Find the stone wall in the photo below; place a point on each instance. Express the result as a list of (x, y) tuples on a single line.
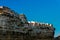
[(11, 35), (18, 28)]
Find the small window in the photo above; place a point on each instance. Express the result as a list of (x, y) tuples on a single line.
[(47, 27), (0, 27)]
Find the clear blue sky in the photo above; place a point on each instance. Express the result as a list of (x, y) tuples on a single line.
[(37, 10)]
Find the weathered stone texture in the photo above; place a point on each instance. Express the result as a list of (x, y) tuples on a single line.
[(16, 27)]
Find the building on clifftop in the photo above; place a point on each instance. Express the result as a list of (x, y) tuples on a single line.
[(14, 26)]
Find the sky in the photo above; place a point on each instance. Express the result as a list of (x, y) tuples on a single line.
[(47, 11)]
